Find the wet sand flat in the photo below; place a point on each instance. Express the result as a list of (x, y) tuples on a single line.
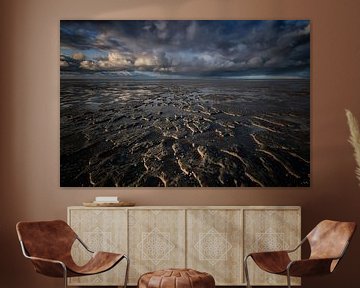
[(185, 133)]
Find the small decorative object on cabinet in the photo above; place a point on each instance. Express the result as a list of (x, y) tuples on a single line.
[(211, 239), (109, 204), (48, 245), (328, 242)]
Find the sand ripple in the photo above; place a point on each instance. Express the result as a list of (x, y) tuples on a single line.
[(185, 133)]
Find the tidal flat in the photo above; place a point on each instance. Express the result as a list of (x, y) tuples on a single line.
[(184, 133)]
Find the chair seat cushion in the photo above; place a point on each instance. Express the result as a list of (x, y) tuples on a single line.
[(176, 278)]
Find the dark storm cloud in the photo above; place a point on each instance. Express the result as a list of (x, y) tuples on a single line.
[(217, 48)]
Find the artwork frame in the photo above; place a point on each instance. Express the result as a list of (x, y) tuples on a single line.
[(142, 106)]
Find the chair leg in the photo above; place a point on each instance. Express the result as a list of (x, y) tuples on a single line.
[(126, 271), (246, 270), (65, 276), (288, 278)]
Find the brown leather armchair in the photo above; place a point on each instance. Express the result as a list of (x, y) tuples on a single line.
[(48, 245), (328, 242)]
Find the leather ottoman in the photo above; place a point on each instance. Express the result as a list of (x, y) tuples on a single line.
[(176, 278)]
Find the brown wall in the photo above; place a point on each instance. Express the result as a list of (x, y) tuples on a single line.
[(29, 119)]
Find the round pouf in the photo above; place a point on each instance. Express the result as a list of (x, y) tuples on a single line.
[(176, 278)]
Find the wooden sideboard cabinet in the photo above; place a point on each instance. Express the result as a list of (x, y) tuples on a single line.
[(212, 239)]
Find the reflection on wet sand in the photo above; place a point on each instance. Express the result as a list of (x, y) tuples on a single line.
[(180, 133)]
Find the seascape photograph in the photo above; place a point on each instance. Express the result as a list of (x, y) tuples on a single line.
[(184, 103)]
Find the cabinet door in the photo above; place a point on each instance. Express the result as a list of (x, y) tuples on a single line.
[(156, 240), (101, 230), (270, 230), (214, 244)]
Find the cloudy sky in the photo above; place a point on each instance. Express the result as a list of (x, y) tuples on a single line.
[(171, 49)]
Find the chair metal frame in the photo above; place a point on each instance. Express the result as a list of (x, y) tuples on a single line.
[(26, 255), (288, 276)]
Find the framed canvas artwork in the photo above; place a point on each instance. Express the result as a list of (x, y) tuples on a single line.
[(200, 103)]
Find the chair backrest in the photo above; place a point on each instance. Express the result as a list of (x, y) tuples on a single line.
[(329, 239), (46, 239)]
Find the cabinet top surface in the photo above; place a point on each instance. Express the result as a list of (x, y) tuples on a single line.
[(192, 207)]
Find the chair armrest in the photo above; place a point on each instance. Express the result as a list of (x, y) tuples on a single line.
[(268, 253), (280, 251), (45, 260), (298, 246), (309, 267), (83, 244)]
